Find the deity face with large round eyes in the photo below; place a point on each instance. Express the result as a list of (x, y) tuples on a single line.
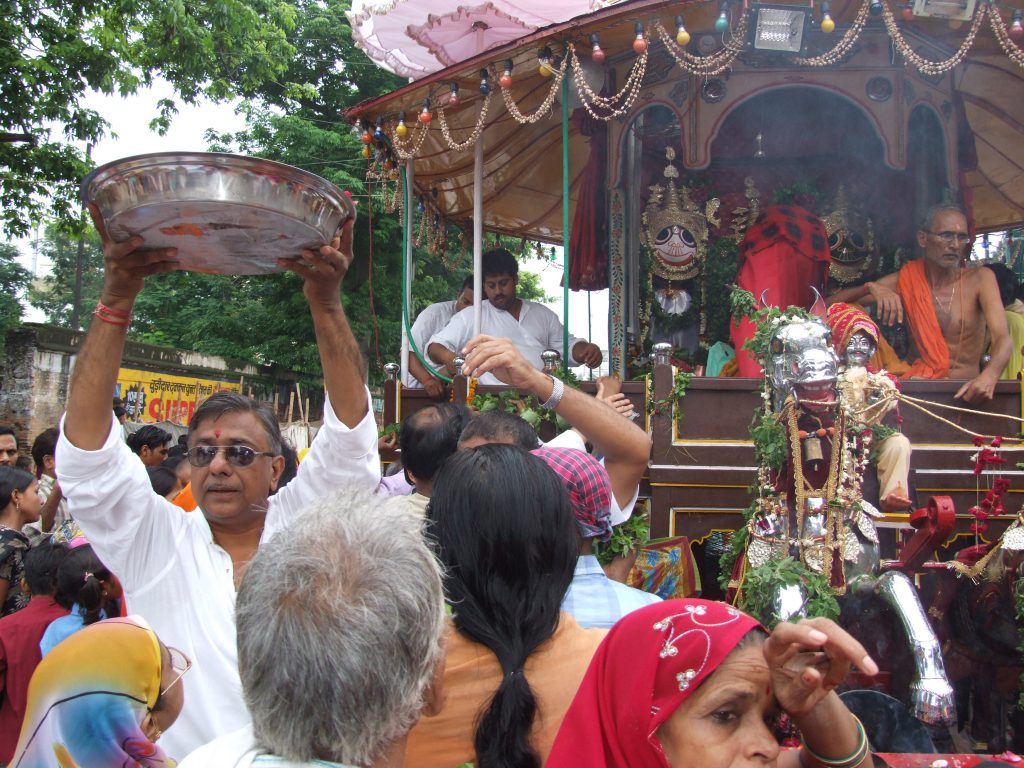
[(847, 246), (676, 246), (859, 350)]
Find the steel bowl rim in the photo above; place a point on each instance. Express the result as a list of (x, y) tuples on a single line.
[(226, 160)]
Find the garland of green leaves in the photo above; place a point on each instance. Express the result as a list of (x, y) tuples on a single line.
[(761, 585), (680, 383), (626, 537), (756, 594), (525, 406)]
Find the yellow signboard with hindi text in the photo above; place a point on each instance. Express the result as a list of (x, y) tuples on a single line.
[(150, 396)]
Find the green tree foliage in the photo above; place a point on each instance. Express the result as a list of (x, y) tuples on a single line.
[(265, 319), (55, 294), (51, 54), (14, 279)]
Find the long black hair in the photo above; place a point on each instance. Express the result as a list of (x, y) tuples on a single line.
[(506, 536)]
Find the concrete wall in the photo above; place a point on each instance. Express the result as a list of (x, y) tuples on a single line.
[(38, 361)]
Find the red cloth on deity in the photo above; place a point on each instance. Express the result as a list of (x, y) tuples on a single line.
[(781, 258), (588, 238)]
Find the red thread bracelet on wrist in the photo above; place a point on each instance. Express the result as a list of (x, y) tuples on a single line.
[(112, 316), (101, 307)]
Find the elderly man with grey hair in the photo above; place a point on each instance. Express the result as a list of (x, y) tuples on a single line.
[(340, 640)]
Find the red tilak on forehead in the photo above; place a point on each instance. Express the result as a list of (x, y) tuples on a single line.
[(216, 433)]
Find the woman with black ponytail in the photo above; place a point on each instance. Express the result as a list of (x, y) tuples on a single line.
[(88, 590), (506, 536)]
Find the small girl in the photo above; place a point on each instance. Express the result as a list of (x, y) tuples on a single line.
[(88, 590)]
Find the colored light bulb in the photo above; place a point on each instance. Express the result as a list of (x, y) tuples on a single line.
[(1016, 31), (544, 62), (639, 43)]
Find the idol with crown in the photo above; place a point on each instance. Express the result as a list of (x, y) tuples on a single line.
[(674, 236)]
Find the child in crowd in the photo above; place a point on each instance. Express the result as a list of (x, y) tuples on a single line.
[(164, 482), (88, 589), (177, 462), (20, 634)]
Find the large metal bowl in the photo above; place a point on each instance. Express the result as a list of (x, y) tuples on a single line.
[(226, 214)]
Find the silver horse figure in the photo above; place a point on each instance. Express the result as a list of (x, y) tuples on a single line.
[(813, 510)]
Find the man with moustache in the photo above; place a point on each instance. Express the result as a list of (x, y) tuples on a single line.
[(181, 571), (532, 327), (949, 307)]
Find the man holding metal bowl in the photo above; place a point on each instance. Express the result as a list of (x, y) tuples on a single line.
[(181, 571)]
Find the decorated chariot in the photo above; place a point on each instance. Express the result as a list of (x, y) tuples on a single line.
[(675, 149)]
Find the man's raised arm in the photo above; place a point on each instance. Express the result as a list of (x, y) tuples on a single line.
[(87, 423), (625, 446), (344, 369)]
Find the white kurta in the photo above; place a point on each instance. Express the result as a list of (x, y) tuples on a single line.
[(428, 322), (537, 329), (173, 573)]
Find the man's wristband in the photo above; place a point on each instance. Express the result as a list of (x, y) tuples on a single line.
[(557, 390), (867, 288), (113, 316)]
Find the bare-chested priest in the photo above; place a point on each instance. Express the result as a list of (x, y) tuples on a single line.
[(947, 306)]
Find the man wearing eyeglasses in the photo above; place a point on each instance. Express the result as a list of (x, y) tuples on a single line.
[(181, 571), (948, 307)]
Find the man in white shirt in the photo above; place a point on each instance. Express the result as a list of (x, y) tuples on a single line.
[(532, 327), (181, 570), (431, 320)]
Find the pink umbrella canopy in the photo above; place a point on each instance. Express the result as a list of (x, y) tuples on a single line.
[(414, 38)]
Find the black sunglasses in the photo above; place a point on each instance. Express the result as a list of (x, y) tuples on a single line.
[(236, 455)]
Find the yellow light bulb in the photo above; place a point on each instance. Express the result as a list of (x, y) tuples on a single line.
[(682, 36), (401, 129), (827, 25)]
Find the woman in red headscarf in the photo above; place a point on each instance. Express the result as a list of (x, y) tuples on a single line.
[(696, 683)]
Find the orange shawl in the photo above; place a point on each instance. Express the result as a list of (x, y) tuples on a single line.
[(916, 293)]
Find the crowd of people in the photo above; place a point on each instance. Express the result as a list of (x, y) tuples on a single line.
[(210, 610)]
